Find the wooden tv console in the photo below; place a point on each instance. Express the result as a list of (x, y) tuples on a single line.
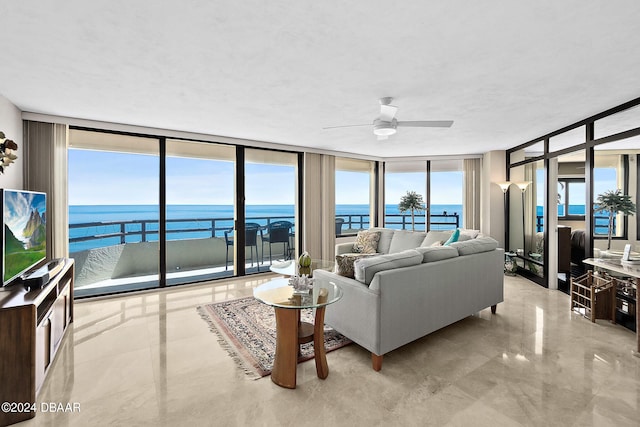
[(32, 326)]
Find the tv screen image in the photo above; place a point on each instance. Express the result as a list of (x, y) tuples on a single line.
[(24, 242)]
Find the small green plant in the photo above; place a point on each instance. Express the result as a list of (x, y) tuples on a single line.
[(614, 202), (412, 202)]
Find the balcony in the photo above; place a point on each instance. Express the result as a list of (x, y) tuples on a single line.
[(118, 256)]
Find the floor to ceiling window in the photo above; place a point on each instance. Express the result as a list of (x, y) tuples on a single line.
[(439, 187), (113, 212), (200, 196), (354, 195), (140, 220), (446, 194), (400, 179), (270, 207)]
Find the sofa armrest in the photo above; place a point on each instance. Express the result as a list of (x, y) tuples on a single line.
[(357, 314), (344, 248)]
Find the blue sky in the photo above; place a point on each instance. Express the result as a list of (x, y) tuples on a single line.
[(104, 178)]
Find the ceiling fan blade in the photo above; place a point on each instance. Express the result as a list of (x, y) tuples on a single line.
[(345, 126), (428, 124), (387, 112)]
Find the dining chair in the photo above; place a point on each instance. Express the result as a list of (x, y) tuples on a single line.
[(251, 230), (277, 232)]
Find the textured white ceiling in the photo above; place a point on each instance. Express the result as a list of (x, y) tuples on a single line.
[(279, 71)]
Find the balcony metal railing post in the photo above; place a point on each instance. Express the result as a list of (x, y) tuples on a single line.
[(122, 233)]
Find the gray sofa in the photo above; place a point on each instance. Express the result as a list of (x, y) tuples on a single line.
[(411, 288)]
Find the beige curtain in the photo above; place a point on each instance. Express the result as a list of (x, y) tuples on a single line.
[(471, 191), (319, 206), (328, 195), (46, 171)]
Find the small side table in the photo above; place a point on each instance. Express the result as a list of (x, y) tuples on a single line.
[(291, 332)]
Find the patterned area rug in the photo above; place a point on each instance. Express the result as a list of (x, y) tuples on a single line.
[(246, 328)]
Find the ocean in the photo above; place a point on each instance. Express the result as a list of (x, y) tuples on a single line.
[(140, 222), (198, 217)]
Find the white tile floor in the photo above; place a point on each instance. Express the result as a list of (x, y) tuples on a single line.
[(149, 359)]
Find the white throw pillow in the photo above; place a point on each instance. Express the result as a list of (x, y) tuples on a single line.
[(469, 232), (403, 240), (436, 236)]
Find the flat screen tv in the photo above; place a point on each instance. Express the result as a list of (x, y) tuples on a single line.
[(24, 232)]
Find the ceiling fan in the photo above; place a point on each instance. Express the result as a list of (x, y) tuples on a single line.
[(385, 125)]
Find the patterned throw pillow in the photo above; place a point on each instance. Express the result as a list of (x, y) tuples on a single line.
[(344, 264), (366, 242)]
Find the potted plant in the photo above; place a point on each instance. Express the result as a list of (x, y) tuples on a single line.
[(7, 147), (614, 202), (412, 202)]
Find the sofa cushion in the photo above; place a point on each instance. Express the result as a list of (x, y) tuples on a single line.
[(437, 253), (344, 263), (436, 236), (385, 238), (474, 246), (403, 240), (366, 268), (366, 242)]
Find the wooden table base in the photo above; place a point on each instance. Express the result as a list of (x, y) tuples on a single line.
[(290, 333)]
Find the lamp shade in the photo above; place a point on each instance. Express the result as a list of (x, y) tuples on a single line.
[(504, 186), (523, 185)]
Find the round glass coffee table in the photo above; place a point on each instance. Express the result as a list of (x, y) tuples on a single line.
[(290, 331), (290, 267)]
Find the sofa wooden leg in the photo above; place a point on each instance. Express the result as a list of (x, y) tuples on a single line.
[(493, 308), (376, 361)]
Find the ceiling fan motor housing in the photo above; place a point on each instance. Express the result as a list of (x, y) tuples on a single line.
[(383, 128)]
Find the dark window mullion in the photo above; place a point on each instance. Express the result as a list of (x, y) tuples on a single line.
[(162, 224), (239, 236)]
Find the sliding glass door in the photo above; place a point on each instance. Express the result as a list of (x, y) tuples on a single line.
[(270, 210), (199, 211), (149, 212), (113, 212)]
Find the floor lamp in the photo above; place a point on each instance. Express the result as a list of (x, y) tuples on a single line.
[(510, 266), (523, 187), (504, 186)]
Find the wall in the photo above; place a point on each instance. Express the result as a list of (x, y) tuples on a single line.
[(11, 125), (492, 200)]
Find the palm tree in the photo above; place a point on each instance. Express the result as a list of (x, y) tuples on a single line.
[(413, 202), (614, 202)]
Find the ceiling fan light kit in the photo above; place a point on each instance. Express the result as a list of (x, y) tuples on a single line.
[(386, 124), (382, 128)]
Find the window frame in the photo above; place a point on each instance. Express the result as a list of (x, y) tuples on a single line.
[(566, 182)]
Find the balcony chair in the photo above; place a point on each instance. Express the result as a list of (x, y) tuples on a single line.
[(339, 222), (251, 230), (277, 232)]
